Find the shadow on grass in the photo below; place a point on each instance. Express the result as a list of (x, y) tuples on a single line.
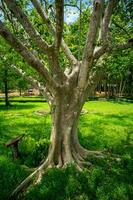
[(116, 119), (11, 128), (123, 102), (17, 107), (108, 131)]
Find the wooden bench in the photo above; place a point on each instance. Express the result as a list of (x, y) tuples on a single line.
[(14, 144)]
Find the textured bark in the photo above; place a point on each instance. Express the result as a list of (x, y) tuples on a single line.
[(35, 83), (106, 20), (65, 115), (59, 5), (90, 44), (64, 146)]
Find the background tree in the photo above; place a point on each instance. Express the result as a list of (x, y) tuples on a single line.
[(8, 77), (67, 86), (6, 74)]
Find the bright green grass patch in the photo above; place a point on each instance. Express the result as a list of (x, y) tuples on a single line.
[(107, 126), (22, 119)]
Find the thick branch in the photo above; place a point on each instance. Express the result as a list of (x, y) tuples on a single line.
[(118, 47), (8, 15), (99, 51), (93, 29), (35, 83), (31, 59), (90, 43), (34, 35), (46, 20), (110, 49), (22, 18), (106, 20), (59, 5)]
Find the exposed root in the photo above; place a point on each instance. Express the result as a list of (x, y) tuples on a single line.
[(36, 177), (78, 158), (98, 154), (84, 164), (85, 152), (24, 184), (76, 155), (39, 177), (84, 111)]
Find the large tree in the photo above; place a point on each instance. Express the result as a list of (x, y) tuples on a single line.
[(66, 86)]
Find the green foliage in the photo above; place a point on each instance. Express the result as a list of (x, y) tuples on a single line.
[(9, 57), (11, 175), (60, 184), (104, 181), (75, 34), (33, 152)]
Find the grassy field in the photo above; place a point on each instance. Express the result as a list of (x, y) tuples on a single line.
[(107, 126)]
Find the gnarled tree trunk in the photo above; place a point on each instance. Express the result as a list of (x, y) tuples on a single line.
[(64, 148)]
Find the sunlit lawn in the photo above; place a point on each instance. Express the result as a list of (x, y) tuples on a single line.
[(107, 126)]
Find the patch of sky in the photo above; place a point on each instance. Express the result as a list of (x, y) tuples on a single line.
[(1, 12), (71, 15), (1, 15), (72, 9)]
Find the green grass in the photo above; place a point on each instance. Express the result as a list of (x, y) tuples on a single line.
[(107, 126), (23, 99)]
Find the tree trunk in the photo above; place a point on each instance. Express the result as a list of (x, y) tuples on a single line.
[(123, 88), (20, 92), (120, 87), (64, 147), (6, 87)]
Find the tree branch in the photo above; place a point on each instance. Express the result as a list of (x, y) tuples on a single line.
[(120, 27), (31, 59), (8, 15), (106, 20), (59, 6), (93, 29), (90, 43), (34, 35), (99, 51), (47, 21), (72, 5), (35, 83), (118, 47), (22, 18), (111, 48)]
